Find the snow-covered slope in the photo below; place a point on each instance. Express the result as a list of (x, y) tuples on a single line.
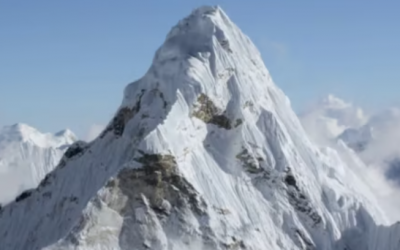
[(203, 153), (26, 156), (329, 117)]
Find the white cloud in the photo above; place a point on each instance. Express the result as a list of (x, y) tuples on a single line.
[(385, 190), (382, 146), (94, 131), (386, 137)]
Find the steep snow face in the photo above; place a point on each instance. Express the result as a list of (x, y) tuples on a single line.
[(204, 153), (330, 117), (26, 156)]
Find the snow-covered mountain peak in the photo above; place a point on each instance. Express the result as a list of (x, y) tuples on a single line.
[(204, 153), (66, 133), (208, 41), (203, 25), (66, 136), (21, 132), (27, 155)]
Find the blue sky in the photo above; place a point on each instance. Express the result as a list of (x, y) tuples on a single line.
[(65, 63)]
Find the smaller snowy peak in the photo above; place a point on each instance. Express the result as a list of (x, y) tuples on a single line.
[(65, 137), (21, 132), (27, 155), (67, 134), (18, 131)]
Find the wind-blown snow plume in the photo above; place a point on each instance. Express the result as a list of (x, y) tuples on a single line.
[(204, 153)]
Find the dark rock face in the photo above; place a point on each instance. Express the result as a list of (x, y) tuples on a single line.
[(75, 149), (157, 188), (23, 195), (299, 200), (209, 113), (122, 117), (159, 181), (250, 163)]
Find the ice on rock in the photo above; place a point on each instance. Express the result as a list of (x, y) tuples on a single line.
[(205, 153)]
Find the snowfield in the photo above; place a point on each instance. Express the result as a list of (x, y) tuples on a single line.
[(204, 153)]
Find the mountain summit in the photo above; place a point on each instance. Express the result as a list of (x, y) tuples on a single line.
[(204, 153)]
